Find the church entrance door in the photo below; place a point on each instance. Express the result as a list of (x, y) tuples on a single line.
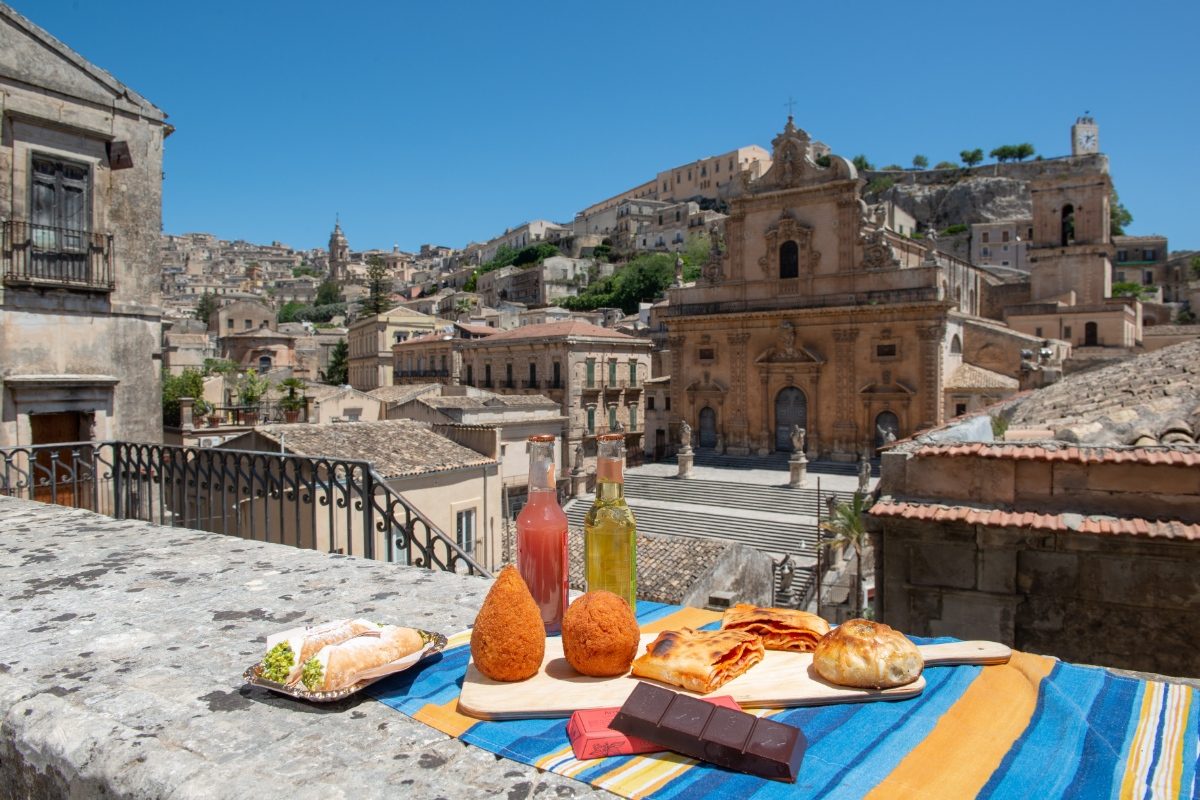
[(791, 408), (708, 427), (1091, 335), (885, 423)]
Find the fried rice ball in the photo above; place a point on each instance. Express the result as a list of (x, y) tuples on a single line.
[(600, 635), (509, 638)]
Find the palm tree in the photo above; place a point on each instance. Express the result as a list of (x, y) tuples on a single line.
[(845, 524)]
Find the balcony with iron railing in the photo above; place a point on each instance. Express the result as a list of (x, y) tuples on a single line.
[(41, 255), (330, 504)]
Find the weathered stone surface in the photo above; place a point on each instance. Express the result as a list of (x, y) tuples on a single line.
[(121, 658), (941, 565)]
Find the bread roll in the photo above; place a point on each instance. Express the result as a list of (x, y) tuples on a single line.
[(337, 666), (867, 655)]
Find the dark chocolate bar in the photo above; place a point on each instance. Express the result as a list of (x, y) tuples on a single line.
[(731, 739)]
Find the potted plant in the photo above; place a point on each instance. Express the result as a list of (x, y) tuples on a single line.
[(251, 392), (293, 401), (200, 409)]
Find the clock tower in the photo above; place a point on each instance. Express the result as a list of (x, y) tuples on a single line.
[(1085, 136)]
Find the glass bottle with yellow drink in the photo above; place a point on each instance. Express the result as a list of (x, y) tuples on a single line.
[(609, 529)]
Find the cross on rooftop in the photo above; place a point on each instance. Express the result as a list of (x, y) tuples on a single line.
[(791, 105)]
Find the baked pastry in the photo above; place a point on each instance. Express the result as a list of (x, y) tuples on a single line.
[(780, 628), (508, 641), (600, 634), (867, 655), (337, 666), (287, 651), (699, 661)]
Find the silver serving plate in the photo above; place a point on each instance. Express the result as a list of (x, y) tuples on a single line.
[(434, 643)]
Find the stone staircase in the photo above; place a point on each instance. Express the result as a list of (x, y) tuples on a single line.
[(774, 461), (779, 499)]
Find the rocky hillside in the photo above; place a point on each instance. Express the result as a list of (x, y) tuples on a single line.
[(946, 197)]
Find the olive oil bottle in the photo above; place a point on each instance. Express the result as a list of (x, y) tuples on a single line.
[(609, 529)]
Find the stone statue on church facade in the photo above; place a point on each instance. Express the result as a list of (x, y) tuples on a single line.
[(685, 436), (864, 474), (797, 435)]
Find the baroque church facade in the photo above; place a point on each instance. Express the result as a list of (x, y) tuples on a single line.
[(813, 313)]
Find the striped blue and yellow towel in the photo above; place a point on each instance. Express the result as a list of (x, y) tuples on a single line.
[(1035, 727)]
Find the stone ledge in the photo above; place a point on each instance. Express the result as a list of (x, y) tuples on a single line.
[(121, 663)]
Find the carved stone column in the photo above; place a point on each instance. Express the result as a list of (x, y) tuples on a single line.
[(735, 418), (675, 344), (845, 430), (847, 232), (931, 374)]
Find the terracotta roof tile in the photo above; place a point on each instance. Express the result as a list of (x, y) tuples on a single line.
[(1136, 526), (1168, 455), (559, 330), (394, 447)]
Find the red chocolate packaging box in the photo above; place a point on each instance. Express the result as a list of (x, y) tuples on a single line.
[(592, 738)]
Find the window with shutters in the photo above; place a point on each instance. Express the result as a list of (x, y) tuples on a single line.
[(56, 244)]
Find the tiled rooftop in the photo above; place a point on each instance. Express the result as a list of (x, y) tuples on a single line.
[(394, 447), (969, 376), (1034, 521), (1122, 402), (401, 393), (1184, 456), (559, 330), (490, 400)]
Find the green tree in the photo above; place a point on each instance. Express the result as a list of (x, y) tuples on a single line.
[(1023, 151), (1195, 265), (338, 372), (920, 161), (329, 293), (294, 399), (1118, 215), (252, 389), (861, 164), (845, 525), (379, 288), (189, 383), (945, 165), (1002, 153), (206, 306), (971, 157), (287, 312), (1131, 289)]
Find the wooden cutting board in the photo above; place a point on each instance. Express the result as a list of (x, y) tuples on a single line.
[(780, 680)]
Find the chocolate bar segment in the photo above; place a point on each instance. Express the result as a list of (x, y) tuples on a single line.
[(731, 739)]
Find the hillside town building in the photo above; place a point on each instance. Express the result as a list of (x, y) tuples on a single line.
[(595, 374), (80, 219), (370, 340)]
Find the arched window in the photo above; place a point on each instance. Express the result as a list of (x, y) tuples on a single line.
[(956, 345), (789, 260), (264, 364), (1068, 225)]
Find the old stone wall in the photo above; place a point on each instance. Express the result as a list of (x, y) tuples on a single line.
[(1121, 601)]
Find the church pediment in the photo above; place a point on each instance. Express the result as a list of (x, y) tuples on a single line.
[(792, 165), (893, 388), (786, 351), (707, 386)]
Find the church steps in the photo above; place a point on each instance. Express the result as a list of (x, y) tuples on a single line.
[(767, 536), (724, 495)]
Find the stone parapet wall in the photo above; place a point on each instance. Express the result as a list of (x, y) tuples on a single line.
[(122, 659), (1122, 601)]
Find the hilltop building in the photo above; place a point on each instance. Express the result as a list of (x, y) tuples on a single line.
[(80, 215)]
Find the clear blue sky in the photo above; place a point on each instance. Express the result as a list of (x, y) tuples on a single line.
[(448, 121)]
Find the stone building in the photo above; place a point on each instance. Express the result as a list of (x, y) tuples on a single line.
[(1081, 525), (456, 487), (370, 340), (513, 417), (339, 255), (814, 313), (80, 215), (595, 374), (435, 357), (239, 316)]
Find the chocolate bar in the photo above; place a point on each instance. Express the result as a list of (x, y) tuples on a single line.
[(592, 736), (731, 739)]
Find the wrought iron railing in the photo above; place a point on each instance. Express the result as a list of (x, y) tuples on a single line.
[(41, 254), (328, 504)]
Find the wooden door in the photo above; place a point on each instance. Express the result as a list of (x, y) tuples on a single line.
[(56, 474)]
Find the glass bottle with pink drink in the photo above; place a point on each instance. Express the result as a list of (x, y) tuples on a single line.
[(542, 536)]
